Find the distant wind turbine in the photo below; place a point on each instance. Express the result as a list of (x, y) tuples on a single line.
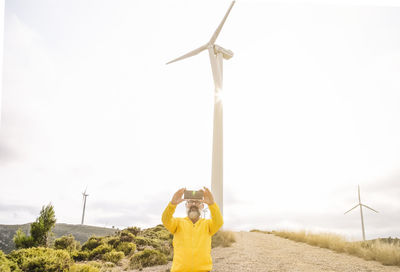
[(361, 211), (205, 212), (216, 53), (84, 205)]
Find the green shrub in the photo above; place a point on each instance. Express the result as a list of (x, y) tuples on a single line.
[(134, 230), (4, 262), (67, 242), (6, 265), (166, 247), (126, 236), (126, 247), (142, 241), (83, 268), (113, 241), (38, 259), (80, 255), (21, 240), (158, 232), (99, 251), (145, 242), (40, 230), (92, 243), (95, 264), (147, 257), (113, 256)]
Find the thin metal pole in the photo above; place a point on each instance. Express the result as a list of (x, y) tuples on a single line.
[(361, 212), (84, 206)]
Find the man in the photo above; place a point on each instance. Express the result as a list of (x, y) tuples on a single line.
[(192, 234)]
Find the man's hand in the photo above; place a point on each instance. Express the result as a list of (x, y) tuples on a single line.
[(208, 197), (177, 198)]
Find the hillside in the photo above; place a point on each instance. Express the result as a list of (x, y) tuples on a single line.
[(81, 233)]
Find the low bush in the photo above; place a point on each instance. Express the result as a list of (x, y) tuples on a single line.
[(142, 241), (126, 236), (113, 256), (6, 265), (99, 251), (147, 257), (113, 241), (126, 247), (79, 256), (134, 230), (97, 264), (145, 242), (166, 248), (158, 232), (92, 243), (21, 240), (222, 238), (83, 268), (41, 259), (67, 242), (4, 262)]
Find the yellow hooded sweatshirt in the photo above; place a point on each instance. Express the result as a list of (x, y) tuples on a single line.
[(192, 242)]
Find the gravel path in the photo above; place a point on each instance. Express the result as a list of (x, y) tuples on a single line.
[(255, 252)]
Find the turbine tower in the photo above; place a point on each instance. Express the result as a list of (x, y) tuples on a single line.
[(205, 212), (217, 54), (84, 205), (361, 211)]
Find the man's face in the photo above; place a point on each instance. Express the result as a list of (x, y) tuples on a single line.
[(194, 208)]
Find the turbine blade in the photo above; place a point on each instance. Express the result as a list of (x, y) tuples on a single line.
[(352, 208), (369, 208), (216, 33), (190, 54)]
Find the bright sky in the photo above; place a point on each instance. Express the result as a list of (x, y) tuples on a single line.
[(311, 109)]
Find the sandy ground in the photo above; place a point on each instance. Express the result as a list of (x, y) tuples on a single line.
[(255, 251)]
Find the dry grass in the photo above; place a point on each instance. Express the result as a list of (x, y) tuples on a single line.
[(385, 253), (223, 238), (262, 231)]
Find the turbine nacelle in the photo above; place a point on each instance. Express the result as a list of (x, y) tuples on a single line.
[(226, 53)]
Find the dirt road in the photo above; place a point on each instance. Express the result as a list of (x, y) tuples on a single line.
[(259, 252)]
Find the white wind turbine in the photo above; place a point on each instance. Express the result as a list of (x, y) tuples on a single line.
[(361, 211), (216, 53), (84, 205), (205, 212)]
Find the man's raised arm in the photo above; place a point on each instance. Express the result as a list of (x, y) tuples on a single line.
[(216, 221), (167, 218)]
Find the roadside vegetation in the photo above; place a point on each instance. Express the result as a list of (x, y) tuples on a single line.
[(384, 250), (223, 238), (130, 248)]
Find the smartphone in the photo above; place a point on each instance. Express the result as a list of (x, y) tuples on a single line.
[(190, 194)]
